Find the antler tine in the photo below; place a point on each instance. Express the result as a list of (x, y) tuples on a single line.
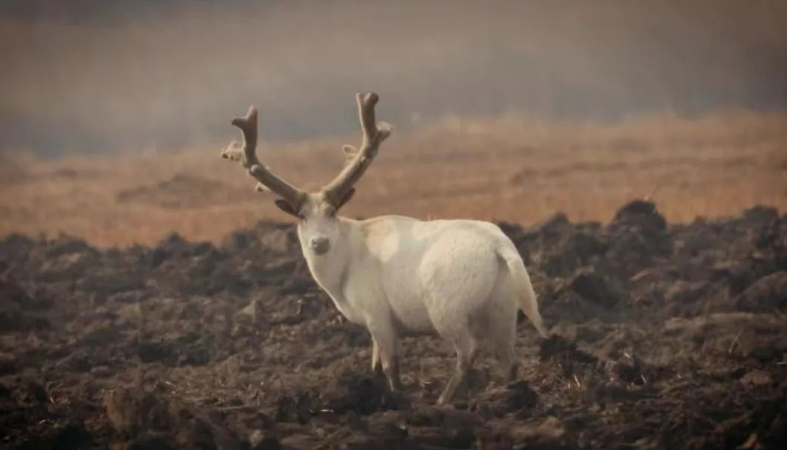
[(246, 153), (337, 191)]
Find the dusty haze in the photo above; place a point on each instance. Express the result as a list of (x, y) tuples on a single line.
[(97, 76)]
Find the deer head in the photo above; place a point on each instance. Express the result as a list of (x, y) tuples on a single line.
[(318, 225)]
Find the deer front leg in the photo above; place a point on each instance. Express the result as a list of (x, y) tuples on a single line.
[(388, 350), (385, 346)]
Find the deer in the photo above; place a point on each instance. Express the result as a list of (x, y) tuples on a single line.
[(460, 280)]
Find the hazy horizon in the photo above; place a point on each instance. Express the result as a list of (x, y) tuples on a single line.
[(85, 76)]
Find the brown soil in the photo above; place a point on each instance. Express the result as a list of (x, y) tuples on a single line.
[(662, 336)]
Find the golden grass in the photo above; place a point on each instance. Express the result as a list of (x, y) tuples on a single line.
[(509, 168)]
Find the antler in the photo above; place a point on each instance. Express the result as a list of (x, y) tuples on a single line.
[(338, 191), (246, 154)]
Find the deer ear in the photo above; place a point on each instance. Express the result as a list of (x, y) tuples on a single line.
[(286, 207), (346, 198)]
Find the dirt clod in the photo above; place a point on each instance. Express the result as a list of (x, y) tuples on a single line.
[(769, 293), (663, 336)]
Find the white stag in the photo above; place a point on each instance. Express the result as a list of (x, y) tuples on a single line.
[(397, 276)]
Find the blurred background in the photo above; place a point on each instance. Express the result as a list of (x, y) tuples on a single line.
[(607, 87), (99, 75)]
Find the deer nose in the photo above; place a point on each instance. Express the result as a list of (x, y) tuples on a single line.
[(319, 245)]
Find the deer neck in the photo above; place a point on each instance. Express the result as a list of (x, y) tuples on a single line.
[(330, 270)]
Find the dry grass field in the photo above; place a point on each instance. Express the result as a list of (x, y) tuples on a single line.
[(509, 168)]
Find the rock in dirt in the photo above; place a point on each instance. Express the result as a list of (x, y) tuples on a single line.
[(549, 433), (756, 378), (517, 396), (354, 391), (293, 407), (12, 292), (627, 369), (521, 396), (759, 216), (641, 214), (637, 237), (131, 411), (769, 293), (564, 357), (557, 347), (594, 288)]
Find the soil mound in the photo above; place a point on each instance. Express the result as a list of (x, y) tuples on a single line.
[(662, 336)]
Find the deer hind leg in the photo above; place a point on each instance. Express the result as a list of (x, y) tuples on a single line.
[(466, 347), (502, 333), (499, 321), (377, 366), (508, 362)]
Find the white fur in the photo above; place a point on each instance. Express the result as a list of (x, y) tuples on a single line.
[(460, 279)]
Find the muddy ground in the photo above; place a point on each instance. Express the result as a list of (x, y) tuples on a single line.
[(663, 336)]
